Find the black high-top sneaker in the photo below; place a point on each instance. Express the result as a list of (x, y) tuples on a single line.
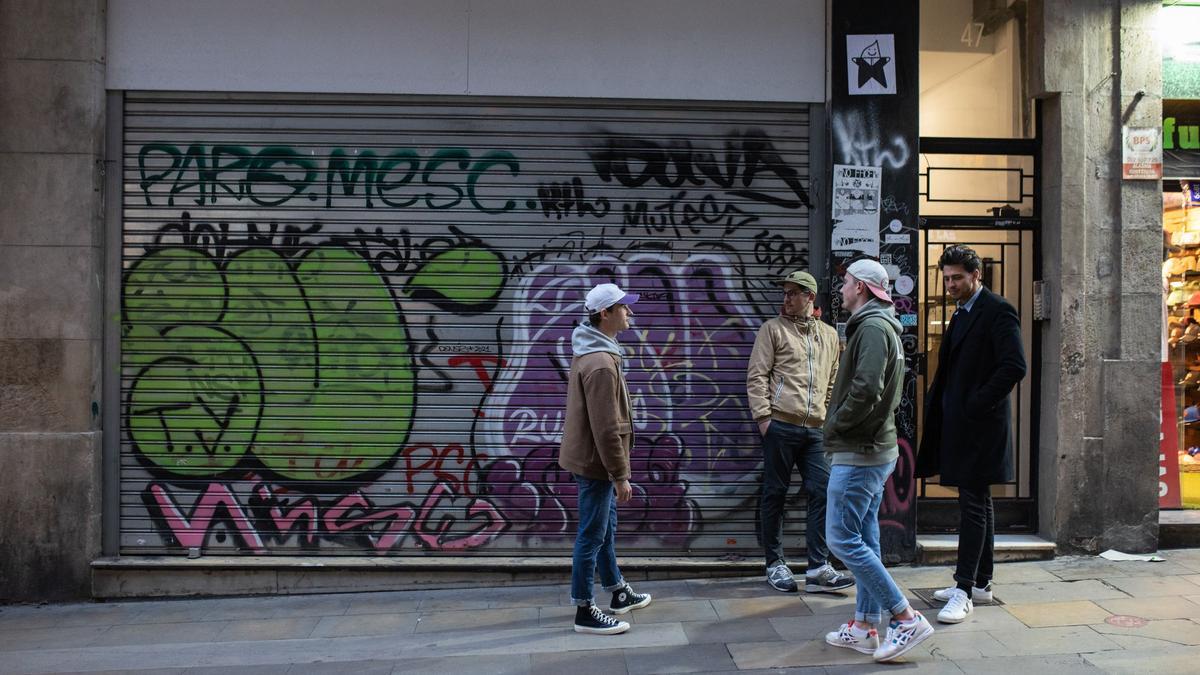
[(625, 600), (589, 619)]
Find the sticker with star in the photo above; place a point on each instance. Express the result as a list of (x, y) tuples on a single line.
[(871, 64)]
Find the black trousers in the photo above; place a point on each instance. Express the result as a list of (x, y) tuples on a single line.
[(976, 537), (784, 446)]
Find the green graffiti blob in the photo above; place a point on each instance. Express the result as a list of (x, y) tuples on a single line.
[(305, 365), (356, 413), (174, 287), (196, 399), (460, 279)]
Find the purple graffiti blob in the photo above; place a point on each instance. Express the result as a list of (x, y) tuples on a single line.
[(695, 453)]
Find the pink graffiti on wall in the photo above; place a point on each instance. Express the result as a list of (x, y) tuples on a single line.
[(900, 490), (267, 512)]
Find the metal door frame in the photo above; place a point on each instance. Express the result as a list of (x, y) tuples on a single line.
[(1013, 514)]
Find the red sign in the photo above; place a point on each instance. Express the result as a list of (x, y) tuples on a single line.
[(1168, 445)]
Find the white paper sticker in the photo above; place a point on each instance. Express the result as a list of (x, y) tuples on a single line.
[(904, 285), (897, 238), (871, 64), (895, 225), (1141, 153), (856, 208)]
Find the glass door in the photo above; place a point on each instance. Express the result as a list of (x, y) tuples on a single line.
[(1008, 266)]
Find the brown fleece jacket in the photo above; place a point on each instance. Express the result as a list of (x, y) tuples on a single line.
[(598, 431)]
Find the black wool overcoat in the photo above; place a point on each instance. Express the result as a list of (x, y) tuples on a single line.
[(968, 440)]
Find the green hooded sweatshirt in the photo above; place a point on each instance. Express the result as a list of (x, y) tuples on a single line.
[(860, 426)]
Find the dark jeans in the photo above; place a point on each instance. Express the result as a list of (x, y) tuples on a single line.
[(786, 446), (595, 541), (976, 534)]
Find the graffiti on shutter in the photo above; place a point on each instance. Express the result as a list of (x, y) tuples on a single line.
[(346, 324)]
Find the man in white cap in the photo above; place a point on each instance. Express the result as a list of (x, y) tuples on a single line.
[(596, 444), (860, 439)]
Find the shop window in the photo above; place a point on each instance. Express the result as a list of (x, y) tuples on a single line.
[(1181, 284)]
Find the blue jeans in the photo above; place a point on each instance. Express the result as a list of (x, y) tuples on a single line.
[(595, 542), (852, 529), (786, 446)]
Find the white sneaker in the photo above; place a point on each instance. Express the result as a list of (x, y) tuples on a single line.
[(979, 596), (903, 636), (957, 608), (865, 640)]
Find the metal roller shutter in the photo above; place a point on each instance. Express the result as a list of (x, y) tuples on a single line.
[(346, 321)]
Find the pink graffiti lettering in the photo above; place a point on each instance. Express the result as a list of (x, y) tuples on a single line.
[(440, 522), (191, 530), (284, 522), (494, 523), (404, 520), (397, 520)]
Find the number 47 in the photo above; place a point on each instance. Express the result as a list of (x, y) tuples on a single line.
[(972, 34)]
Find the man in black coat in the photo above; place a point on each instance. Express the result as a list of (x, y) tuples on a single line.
[(968, 420)]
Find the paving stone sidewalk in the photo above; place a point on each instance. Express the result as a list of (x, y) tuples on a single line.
[(1070, 615)]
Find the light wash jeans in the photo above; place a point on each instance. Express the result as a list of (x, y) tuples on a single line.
[(595, 542), (852, 530)]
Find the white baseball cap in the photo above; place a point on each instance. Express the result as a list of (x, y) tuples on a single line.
[(873, 275), (604, 296)]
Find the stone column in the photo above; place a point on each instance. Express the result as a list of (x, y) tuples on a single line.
[(51, 142), (1102, 253)]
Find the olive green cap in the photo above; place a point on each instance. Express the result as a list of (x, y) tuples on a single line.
[(802, 279)]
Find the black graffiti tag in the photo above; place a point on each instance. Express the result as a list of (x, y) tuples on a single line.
[(777, 252), (706, 211), (634, 162), (567, 198)]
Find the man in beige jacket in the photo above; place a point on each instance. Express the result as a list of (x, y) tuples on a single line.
[(788, 381), (596, 444)]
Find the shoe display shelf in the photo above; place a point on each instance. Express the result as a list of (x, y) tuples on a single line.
[(1181, 274)]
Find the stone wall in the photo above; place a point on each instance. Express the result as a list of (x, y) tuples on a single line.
[(1102, 253), (51, 144), (1097, 480)]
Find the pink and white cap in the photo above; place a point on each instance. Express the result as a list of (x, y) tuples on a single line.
[(873, 275)]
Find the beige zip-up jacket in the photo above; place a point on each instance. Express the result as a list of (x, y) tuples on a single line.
[(792, 369)]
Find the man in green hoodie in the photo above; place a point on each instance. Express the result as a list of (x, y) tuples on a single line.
[(860, 439)]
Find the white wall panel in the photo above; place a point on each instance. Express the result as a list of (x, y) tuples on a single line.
[(757, 50), (368, 46), (770, 50)]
